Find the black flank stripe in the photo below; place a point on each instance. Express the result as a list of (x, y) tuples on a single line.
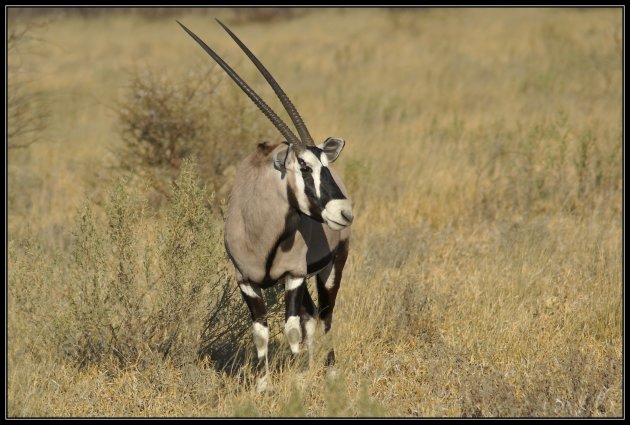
[(287, 235)]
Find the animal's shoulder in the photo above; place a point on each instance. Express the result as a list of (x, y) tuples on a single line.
[(263, 149)]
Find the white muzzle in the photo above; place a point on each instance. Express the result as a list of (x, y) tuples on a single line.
[(338, 214)]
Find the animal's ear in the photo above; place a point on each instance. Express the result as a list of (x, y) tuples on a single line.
[(332, 147), (280, 158)]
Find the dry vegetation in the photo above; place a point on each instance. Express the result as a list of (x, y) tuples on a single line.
[(484, 156)]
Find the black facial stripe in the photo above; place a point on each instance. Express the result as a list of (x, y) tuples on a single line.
[(316, 151), (313, 203), (328, 187)]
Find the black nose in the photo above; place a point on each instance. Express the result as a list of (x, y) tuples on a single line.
[(347, 215)]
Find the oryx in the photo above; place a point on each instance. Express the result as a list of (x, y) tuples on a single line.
[(288, 219)]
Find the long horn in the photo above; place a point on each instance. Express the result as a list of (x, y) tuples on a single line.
[(286, 102), (265, 109)]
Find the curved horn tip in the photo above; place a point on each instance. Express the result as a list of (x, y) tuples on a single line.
[(284, 99), (265, 109)]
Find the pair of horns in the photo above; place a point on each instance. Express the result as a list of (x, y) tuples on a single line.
[(305, 136)]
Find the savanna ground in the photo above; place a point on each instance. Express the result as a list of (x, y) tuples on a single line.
[(483, 155)]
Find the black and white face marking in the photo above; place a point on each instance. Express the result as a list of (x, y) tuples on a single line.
[(317, 192)]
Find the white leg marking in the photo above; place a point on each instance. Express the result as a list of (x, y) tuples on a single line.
[(248, 290), (332, 372), (261, 338), (310, 326), (330, 282), (262, 383), (292, 283), (293, 331)]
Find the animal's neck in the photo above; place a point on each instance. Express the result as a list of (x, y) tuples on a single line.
[(272, 212)]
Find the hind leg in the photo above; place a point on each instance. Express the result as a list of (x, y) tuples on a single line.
[(328, 282)]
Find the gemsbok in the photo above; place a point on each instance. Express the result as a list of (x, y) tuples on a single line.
[(288, 219)]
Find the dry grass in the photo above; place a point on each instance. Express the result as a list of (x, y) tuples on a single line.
[(484, 278)]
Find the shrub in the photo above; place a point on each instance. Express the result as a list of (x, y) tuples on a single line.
[(190, 258), (140, 295), (28, 109), (162, 120), (31, 274)]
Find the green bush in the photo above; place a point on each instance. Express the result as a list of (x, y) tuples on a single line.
[(28, 107), (163, 120), (138, 294)]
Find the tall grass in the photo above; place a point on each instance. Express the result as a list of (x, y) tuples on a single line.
[(484, 161)]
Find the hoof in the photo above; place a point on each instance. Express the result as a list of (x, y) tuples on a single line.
[(294, 336), (263, 384), (298, 361), (332, 372)]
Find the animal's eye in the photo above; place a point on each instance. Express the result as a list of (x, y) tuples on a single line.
[(303, 167)]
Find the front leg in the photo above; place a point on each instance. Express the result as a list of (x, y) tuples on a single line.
[(294, 294), (308, 314), (254, 300)]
